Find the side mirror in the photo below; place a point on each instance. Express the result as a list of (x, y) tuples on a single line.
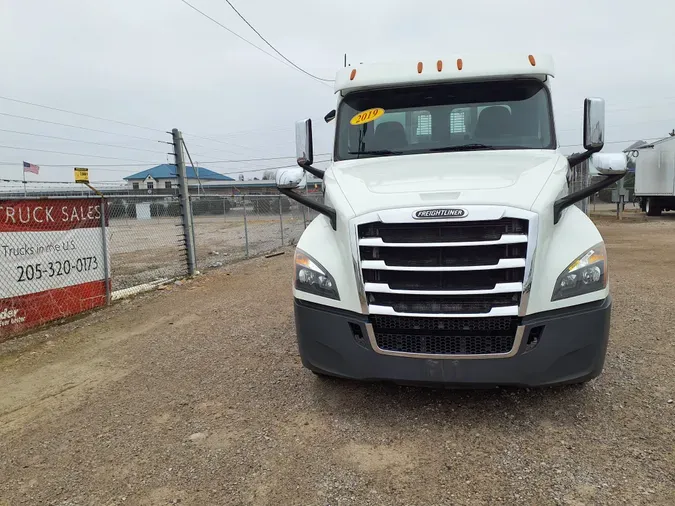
[(594, 124), (290, 179), (610, 164), (330, 116), (304, 149)]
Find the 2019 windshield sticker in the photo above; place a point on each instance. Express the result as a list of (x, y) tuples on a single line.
[(367, 116)]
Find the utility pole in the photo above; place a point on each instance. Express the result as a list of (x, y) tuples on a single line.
[(186, 208)]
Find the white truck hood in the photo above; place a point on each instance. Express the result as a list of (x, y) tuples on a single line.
[(513, 178)]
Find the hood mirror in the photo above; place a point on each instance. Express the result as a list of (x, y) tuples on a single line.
[(610, 164), (290, 179)]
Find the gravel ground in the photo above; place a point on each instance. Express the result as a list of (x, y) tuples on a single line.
[(195, 395)]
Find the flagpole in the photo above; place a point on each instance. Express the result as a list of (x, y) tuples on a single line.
[(24, 180)]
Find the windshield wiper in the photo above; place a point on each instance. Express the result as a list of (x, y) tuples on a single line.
[(376, 152), (463, 147), (475, 147)]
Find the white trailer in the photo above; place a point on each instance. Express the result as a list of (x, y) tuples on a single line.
[(449, 249), (655, 176)]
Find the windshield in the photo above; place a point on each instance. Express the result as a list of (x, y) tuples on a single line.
[(514, 114)]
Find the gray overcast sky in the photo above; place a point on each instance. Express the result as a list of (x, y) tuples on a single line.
[(160, 64)]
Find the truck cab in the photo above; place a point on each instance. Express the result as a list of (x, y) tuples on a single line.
[(448, 249)]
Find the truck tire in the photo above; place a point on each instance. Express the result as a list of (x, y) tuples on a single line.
[(652, 207)]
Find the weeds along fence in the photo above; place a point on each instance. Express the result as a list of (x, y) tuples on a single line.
[(64, 252)]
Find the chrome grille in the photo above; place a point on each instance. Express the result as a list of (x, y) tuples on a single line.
[(446, 287), (464, 231)]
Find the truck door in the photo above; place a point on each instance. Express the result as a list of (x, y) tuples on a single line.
[(650, 178), (667, 161)]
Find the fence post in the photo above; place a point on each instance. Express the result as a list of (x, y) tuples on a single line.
[(304, 216), (194, 243), (186, 208), (104, 244), (243, 199), (281, 221)]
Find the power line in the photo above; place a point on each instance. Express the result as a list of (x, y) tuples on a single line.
[(225, 143), (106, 168), (241, 38), (260, 159), (262, 169), (217, 141), (664, 102), (274, 48), (96, 167), (81, 114), (79, 127), (231, 31), (81, 141), (149, 164), (55, 182), (612, 142), (228, 134), (615, 125), (237, 133), (194, 144), (247, 162), (74, 154), (261, 129), (220, 150)]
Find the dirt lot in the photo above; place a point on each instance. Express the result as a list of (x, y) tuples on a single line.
[(195, 395)]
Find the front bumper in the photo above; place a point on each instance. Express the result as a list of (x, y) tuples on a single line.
[(570, 349)]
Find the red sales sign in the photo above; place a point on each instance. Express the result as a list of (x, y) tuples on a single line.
[(52, 263)]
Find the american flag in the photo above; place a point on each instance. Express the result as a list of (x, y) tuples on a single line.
[(29, 167)]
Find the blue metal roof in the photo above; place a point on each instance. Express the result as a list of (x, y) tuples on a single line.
[(168, 171)]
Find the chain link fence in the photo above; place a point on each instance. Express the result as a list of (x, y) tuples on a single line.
[(231, 228), (146, 241), (578, 179), (64, 251)]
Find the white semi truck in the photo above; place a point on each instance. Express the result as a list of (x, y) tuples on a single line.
[(448, 249)]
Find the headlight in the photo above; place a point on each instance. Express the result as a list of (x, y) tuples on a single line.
[(586, 274), (312, 277)]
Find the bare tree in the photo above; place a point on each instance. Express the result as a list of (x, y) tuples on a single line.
[(269, 174)]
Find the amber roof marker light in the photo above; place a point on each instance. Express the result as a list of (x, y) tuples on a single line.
[(439, 65), (419, 67), (533, 62), (352, 75), (460, 64)]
